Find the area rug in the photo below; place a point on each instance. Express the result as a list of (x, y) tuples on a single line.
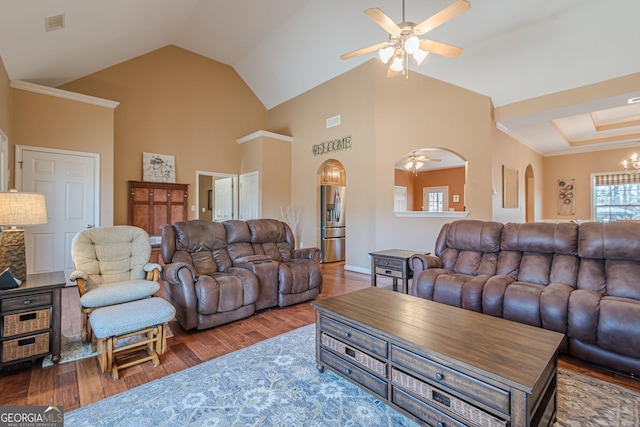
[(276, 383), (72, 348)]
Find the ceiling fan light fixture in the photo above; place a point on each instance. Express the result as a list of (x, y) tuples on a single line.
[(398, 62), (412, 44), (386, 53), (420, 55), (408, 165)]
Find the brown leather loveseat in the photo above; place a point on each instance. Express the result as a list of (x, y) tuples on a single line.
[(216, 272), (580, 280)]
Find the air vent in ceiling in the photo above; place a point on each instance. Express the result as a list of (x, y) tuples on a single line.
[(55, 22), (333, 121)]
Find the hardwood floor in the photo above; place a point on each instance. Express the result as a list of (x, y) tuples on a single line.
[(80, 383)]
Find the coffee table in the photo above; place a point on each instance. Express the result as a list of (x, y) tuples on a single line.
[(439, 364)]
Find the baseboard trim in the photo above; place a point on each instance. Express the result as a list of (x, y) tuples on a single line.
[(357, 269)]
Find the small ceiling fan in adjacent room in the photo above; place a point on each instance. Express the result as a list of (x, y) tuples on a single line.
[(415, 161), (404, 38)]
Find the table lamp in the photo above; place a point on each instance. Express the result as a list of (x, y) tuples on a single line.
[(18, 209)]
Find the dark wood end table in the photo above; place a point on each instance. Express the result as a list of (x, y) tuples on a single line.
[(31, 319), (392, 263)]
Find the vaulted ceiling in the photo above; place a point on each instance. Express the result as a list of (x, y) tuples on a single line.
[(513, 50)]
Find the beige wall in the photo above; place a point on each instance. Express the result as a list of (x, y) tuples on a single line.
[(509, 152), (51, 122), (175, 102), (424, 112), (6, 111), (386, 118), (276, 177), (271, 158), (578, 167), (352, 96)]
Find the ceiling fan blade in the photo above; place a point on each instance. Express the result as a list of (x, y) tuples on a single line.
[(383, 20), (392, 73), (364, 50), (429, 159), (440, 48), (446, 14)]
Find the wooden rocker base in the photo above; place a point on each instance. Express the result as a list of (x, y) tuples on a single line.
[(153, 344)]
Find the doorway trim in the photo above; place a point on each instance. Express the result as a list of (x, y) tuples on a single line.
[(96, 172), (217, 175), (4, 161)]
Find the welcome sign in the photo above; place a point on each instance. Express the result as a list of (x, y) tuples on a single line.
[(331, 146)]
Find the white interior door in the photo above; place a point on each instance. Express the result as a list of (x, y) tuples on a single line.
[(68, 182), (249, 196), (223, 197)]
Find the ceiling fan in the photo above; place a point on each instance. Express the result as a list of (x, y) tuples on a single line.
[(415, 161), (404, 38)]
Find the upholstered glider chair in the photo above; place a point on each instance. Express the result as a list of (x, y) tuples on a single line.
[(112, 267), (267, 248), (200, 280), (466, 255)]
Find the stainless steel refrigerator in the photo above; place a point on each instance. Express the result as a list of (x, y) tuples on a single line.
[(332, 223)]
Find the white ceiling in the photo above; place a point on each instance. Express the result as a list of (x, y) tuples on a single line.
[(513, 49)]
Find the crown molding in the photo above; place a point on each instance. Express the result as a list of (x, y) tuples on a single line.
[(264, 133), (65, 94)]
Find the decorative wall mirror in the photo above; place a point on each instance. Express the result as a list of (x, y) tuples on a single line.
[(217, 196), (430, 182)]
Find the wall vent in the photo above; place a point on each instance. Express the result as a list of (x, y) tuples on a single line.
[(333, 121), (55, 22)]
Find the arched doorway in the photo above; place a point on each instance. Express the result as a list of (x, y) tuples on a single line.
[(529, 194), (332, 188)]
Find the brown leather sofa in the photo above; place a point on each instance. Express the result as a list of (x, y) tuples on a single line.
[(267, 248), (580, 280), (216, 272), (200, 280)]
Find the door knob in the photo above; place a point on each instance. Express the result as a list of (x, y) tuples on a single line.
[(89, 226)]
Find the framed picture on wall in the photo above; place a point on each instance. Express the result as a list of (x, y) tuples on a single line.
[(566, 191), (158, 167)]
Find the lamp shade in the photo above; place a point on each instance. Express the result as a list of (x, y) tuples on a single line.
[(22, 209)]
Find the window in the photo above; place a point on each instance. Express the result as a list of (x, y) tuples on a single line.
[(616, 196), (435, 199)]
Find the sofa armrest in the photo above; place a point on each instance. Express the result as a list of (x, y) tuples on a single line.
[(179, 283), (420, 262), (171, 272), (307, 253), (80, 277)]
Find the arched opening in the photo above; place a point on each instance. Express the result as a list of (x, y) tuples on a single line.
[(430, 180), (332, 182)]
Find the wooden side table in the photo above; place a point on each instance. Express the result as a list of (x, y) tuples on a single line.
[(392, 263), (31, 319)]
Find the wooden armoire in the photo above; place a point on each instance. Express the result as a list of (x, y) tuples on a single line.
[(152, 204)]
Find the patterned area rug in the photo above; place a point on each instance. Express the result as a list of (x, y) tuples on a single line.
[(73, 349), (276, 383)]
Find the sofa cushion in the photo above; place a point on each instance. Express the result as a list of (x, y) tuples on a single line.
[(473, 235), (610, 256), (614, 240)]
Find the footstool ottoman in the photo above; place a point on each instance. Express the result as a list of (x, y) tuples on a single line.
[(147, 317)]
